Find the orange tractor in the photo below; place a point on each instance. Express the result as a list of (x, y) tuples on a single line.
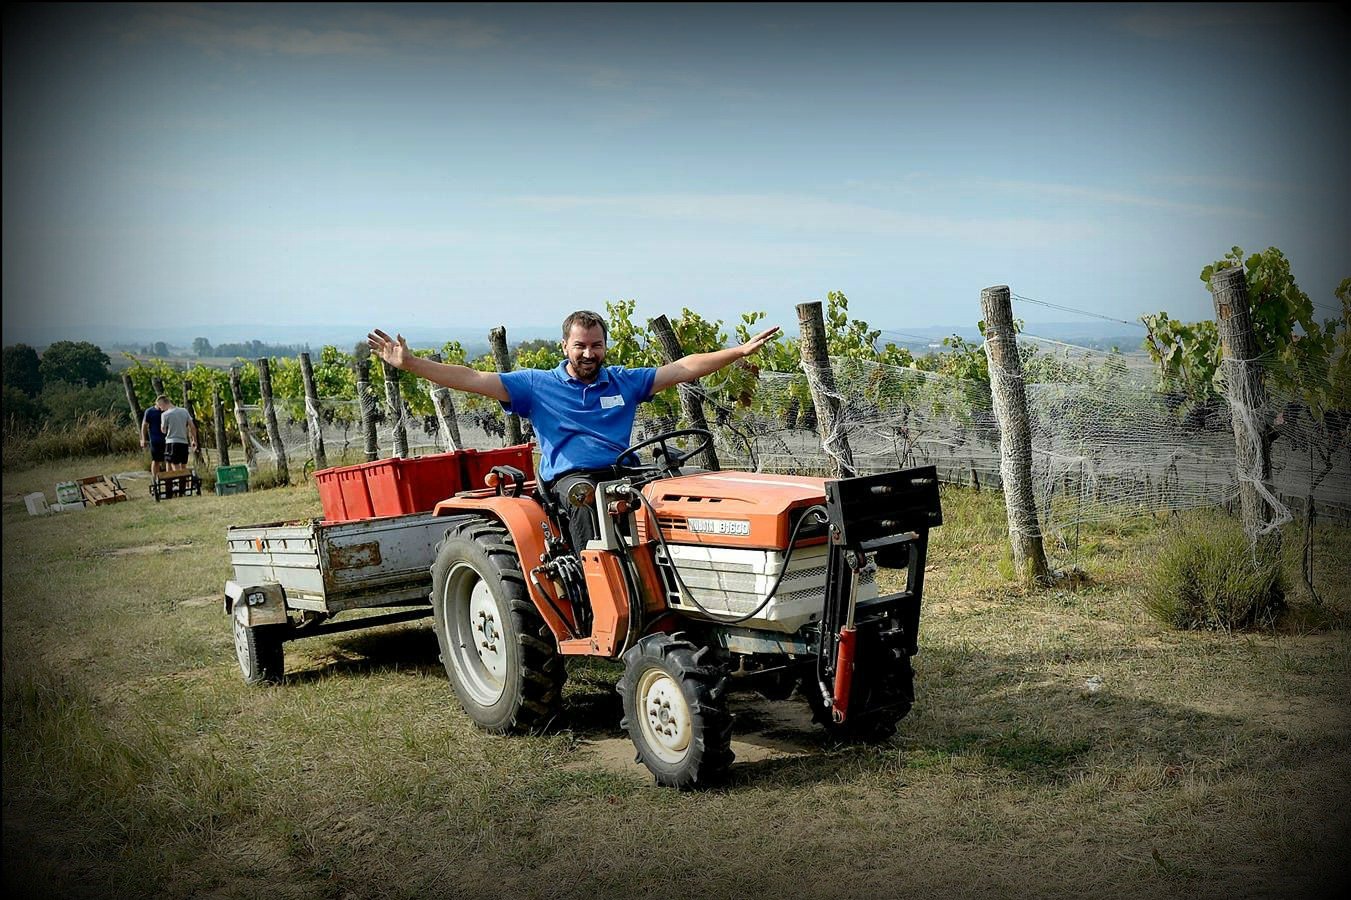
[(699, 582)]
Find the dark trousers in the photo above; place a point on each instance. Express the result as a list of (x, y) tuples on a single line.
[(580, 520)]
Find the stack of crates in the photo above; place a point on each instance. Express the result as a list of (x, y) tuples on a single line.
[(68, 494), (232, 480), (400, 487)]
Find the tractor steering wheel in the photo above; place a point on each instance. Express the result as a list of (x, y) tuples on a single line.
[(669, 460)]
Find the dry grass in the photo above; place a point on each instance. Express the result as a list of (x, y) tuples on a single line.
[(1063, 744), (91, 434)]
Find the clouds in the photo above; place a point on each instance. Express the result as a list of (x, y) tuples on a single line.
[(344, 31), (785, 212), (1171, 22), (1102, 197), (184, 156)]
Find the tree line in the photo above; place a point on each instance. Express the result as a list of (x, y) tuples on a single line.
[(72, 377)]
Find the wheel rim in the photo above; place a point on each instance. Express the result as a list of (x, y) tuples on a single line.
[(242, 647), (475, 635), (665, 717)]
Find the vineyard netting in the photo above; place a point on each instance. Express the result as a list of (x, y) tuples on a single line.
[(1106, 441)]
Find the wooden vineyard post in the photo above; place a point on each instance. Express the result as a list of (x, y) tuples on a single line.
[(447, 424), (394, 400), (242, 420), (367, 401), (136, 411), (1015, 434), (690, 402), (200, 457), (825, 395), (270, 415), (1246, 392), (157, 385), (312, 413), (497, 338), (222, 440)]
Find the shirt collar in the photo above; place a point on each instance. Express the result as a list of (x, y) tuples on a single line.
[(602, 377)]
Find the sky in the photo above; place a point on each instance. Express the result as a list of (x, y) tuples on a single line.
[(236, 168)]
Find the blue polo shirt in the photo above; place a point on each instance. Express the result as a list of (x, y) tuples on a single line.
[(579, 425)]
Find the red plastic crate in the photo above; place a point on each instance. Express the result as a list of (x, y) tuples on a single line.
[(356, 496), (330, 495), (402, 486), (343, 493), (478, 463)]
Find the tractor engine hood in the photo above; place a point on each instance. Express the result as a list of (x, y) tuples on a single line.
[(734, 509)]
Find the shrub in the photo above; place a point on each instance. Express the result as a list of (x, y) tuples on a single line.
[(66, 403), (91, 434), (21, 412), (1206, 575)]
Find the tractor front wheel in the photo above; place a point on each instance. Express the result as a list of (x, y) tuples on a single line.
[(675, 711)]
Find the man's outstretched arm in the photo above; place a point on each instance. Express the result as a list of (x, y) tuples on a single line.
[(395, 352), (697, 365)]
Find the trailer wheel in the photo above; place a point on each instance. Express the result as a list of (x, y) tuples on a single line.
[(259, 650), (499, 654), (884, 698), (675, 711)]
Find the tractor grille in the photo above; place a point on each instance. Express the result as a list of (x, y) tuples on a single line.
[(734, 582)]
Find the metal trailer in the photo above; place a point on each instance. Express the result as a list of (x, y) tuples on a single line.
[(292, 578)]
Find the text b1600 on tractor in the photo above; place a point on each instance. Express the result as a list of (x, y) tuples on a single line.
[(697, 581)]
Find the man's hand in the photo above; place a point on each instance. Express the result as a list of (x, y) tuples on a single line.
[(392, 351), (395, 352), (758, 341)]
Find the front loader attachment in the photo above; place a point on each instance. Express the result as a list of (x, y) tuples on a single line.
[(864, 677)]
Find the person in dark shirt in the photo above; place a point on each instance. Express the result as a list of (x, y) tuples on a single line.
[(153, 438)]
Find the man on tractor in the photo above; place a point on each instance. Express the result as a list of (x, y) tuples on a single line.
[(582, 411), (698, 582)]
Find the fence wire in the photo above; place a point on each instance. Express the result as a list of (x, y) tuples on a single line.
[(1105, 440)]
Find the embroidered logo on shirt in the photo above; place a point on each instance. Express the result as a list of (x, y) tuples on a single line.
[(612, 402)]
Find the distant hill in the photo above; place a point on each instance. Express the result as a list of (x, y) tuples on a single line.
[(113, 338)]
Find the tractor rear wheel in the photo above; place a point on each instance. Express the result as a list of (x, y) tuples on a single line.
[(675, 711), (499, 654)]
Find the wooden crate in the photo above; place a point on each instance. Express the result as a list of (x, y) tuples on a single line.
[(179, 484), (100, 491)]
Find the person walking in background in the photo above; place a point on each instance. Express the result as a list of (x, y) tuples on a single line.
[(153, 437), (180, 433)]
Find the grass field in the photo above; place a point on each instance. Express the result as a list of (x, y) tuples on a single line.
[(1063, 744)]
